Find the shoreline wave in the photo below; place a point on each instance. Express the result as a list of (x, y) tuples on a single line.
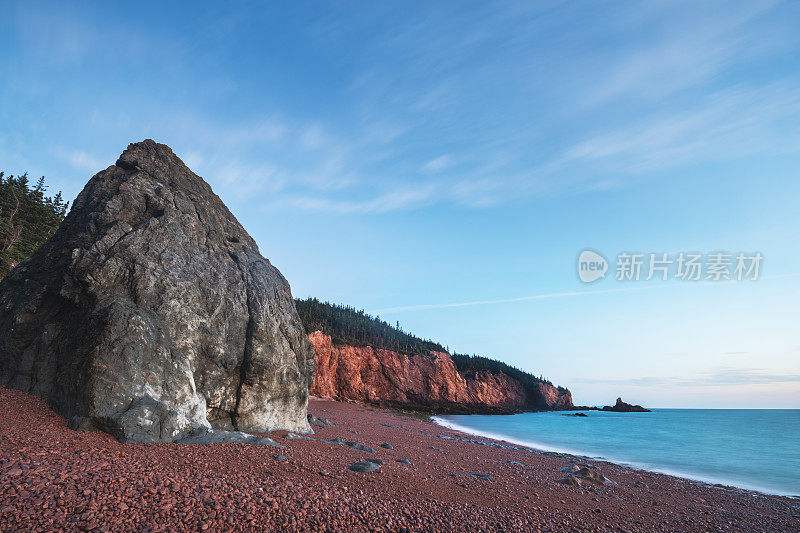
[(539, 447)]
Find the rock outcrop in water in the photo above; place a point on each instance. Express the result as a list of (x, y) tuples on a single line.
[(152, 315), (622, 407), (426, 382)]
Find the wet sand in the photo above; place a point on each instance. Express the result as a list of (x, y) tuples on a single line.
[(52, 478)]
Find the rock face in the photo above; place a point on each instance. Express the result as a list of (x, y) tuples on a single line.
[(622, 407), (152, 315), (431, 382)]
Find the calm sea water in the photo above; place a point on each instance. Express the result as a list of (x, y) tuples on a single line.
[(757, 449)]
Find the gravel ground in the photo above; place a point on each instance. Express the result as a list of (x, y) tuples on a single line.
[(52, 478)]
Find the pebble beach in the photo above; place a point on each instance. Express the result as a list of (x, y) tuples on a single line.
[(415, 476)]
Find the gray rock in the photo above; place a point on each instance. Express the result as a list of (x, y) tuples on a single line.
[(572, 481), (319, 421), (291, 435), (584, 474), (352, 444), (364, 468), (151, 314), (375, 460), (360, 447), (281, 457), (387, 446), (216, 436), (405, 461)]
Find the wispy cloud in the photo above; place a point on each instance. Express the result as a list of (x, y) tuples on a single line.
[(572, 294), (721, 376), (695, 44), (727, 124), (391, 201), (545, 296), (466, 102), (83, 161), (438, 163)]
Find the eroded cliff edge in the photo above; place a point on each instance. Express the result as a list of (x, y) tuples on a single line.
[(429, 382)]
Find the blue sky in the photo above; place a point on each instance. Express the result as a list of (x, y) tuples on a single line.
[(402, 156)]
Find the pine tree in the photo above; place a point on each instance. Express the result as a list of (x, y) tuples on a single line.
[(27, 218)]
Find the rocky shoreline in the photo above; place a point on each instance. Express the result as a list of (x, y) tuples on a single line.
[(413, 475)]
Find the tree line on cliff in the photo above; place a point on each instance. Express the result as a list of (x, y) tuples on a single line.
[(27, 218), (354, 327)]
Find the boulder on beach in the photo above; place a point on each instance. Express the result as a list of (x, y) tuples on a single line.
[(152, 315), (319, 421), (580, 474), (364, 467)]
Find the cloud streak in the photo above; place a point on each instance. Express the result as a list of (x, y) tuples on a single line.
[(570, 294), (544, 296), (723, 376)]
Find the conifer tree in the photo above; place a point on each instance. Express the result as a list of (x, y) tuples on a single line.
[(27, 218)]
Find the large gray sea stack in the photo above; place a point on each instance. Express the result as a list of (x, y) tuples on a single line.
[(152, 315)]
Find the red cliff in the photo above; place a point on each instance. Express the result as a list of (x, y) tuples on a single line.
[(430, 382)]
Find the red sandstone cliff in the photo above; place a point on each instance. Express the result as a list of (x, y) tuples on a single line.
[(432, 381)]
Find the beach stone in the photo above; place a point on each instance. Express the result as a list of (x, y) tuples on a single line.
[(281, 457), (405, 461), (586, 473), (215, 436), (295, 436), (360, 447), (572, 481), (387, 446), (319, 421), (151, 312), (375, 460), (364, 467)]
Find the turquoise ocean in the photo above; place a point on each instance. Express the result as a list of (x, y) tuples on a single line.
[(755, 449)]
